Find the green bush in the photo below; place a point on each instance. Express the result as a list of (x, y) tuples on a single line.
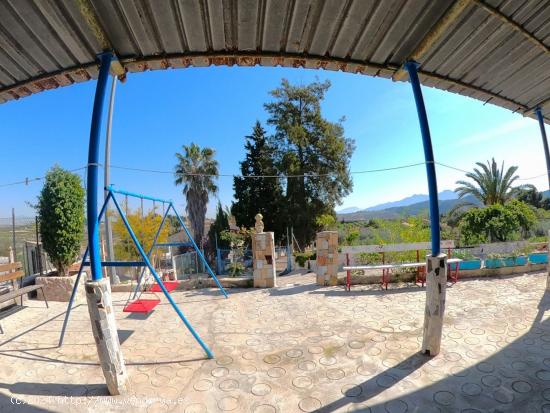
[(235, 269), (303, 257), (61, 217)]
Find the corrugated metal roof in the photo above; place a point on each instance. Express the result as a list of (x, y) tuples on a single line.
[(493, 50)]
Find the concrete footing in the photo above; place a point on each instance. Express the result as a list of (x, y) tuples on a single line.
[(436, 283), (102, 317)]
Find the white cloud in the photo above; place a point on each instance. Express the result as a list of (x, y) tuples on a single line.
[(502, 131)]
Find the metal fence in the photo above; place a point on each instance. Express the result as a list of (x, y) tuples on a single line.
[(186, 265)]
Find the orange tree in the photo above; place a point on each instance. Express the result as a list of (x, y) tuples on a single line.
[(145, 227)]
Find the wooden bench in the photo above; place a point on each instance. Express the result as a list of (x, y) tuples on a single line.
[(387, 268), (421, 275), (13, 272)]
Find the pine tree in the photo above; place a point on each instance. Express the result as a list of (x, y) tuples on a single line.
[(259, 195), (221, 223), (305, 143)]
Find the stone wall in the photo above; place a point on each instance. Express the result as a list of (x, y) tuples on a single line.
[(263, 250), (60, 288), (327, 258)]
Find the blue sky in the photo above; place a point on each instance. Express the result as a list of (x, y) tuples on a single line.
[(157, 112)]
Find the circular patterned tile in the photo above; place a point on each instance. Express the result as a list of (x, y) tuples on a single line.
[(521, 386), (309, 404), (366, 370), (248, 355), (351, 390), (519, 365), (261, 389), (335, 374), (195, 408), (219, 372), (302, 382), (491, 381), (229, 385), (327, 361), (485, 367), (294, 353), (503, 396), (264, 408), (471, 389), (276, 372), (272, 359), (228, 403), (307, 365), (543, 375), (224, 360), (247, 369), (202, 385), (385, 380), (315, 349), (396, 406), (356, 344), (444, 398)]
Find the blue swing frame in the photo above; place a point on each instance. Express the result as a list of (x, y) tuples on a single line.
[(146, 262)]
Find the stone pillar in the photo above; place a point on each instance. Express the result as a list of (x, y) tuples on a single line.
[(436, 283), (327, 258), (102, 317), (263, 250)]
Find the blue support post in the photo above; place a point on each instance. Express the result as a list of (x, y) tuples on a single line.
[(199, 252), (136, 195), (160, 283), (538, 112), (219, 265), (92, 170), (428, 155), (77, 281)]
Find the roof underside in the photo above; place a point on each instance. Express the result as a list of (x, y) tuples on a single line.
[(496, 51)]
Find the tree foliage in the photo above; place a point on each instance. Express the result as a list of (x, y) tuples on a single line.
[(530, 195), (196, 170), (259, 195), (491, 185), (145, 226), (305, 143), (61, 217), (497, 222), (220, 224)]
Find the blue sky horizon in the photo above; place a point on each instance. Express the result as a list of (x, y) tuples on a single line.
[(158, 112)]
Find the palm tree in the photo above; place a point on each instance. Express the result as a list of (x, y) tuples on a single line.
[(196, 170), (491, 184)]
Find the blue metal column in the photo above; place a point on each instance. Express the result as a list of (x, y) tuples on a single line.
[(93, 161), (544, 141), (428, 155)]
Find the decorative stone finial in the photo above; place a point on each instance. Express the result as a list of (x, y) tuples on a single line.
[(259, 223)]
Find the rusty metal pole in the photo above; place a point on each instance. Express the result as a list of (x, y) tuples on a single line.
[(13, 234), (38, 248)]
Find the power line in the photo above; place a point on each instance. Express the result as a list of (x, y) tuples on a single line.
[(281, 176), (27, 181), (30, 180)]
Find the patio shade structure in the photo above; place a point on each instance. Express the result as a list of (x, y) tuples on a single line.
[(496, 51)]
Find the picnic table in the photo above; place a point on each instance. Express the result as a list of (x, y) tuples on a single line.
[(387, 268)]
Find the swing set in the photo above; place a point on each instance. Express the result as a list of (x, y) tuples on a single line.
[(136, 304)]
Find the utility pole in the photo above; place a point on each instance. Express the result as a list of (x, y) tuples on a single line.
[(108, 230), (13, 234)]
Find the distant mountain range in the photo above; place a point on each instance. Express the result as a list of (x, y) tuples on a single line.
[(412, 205)]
